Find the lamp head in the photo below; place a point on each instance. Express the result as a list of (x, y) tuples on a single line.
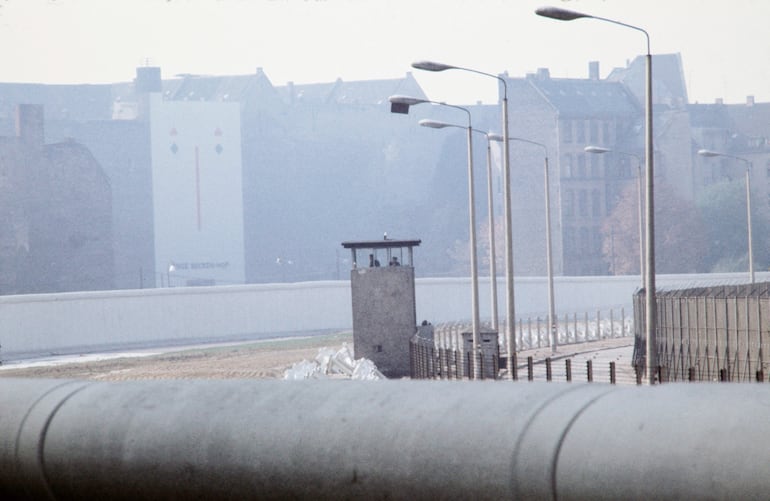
[(559, 13), (401, 104), (709, 153), (435, 124), (495, 137), (431, 66), (596, 149)]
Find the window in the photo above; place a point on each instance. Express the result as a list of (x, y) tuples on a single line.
[(596, 233), (596, 169), (593, 127), (566, 131), (569, 240), (580, 133), (596, 203), (581, 169), (582, 203), (566, 168), (568, 204), (609, 197), (585, 241)]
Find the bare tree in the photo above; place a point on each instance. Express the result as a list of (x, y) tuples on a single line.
[(680, 234)]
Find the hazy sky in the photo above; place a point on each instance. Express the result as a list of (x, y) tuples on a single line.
[(725, 44)]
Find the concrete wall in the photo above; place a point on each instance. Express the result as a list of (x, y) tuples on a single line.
[(88, 321), (83, 321)]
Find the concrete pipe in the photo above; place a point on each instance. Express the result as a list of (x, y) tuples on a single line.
[(402, 439)]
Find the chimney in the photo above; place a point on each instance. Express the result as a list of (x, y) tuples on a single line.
[(148, 79), (593, 70), (749, 100), (543, 74), (30, 122)]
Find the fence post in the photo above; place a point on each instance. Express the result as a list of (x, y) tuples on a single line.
[(585, 326), (639, 370), (623, 322), (590, 371), (479, 359), (612, 324), (530, 369), (575, 324), (471, 360), (568, 369), (529, 331), (691, 374), (548, 373), (446, 371), (598, 325), (537, 329), (515, 368), (612, 373), (760, 376), (660, 374)]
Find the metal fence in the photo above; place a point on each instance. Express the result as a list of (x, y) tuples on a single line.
[(532, 333), (715, 333), (446, 352)]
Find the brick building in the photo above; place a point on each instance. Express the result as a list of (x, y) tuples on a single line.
[(55, 210)]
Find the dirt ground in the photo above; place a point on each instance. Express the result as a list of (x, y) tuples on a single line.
[(269, 359), (256, 360)]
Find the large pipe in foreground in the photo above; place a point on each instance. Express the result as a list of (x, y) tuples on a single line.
[(375, 440)]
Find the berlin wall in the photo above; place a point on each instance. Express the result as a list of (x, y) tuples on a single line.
[(79, 322)]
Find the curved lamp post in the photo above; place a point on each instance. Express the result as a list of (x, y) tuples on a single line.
[(435, 124), (401, 104), (510, 328), (552, 320), (650, 306), (600, 150), (709, 153)]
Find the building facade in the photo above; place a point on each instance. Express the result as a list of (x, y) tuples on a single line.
[(326, 161)]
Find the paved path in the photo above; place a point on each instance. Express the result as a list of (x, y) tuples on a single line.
[(600, 353)]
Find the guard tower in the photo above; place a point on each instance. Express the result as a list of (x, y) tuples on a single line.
[(384, 312)]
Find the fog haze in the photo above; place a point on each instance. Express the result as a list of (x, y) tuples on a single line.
[(723, 44)]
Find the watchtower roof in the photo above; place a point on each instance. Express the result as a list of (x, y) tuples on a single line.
[(386, 243)]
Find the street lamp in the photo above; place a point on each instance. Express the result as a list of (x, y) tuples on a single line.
[(401, 104), (650, 306), (552, 321), (490, 208), (709, 153), (510, 328), (600, 150)]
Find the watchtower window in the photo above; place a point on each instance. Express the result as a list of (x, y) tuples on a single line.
[(381, 253)]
